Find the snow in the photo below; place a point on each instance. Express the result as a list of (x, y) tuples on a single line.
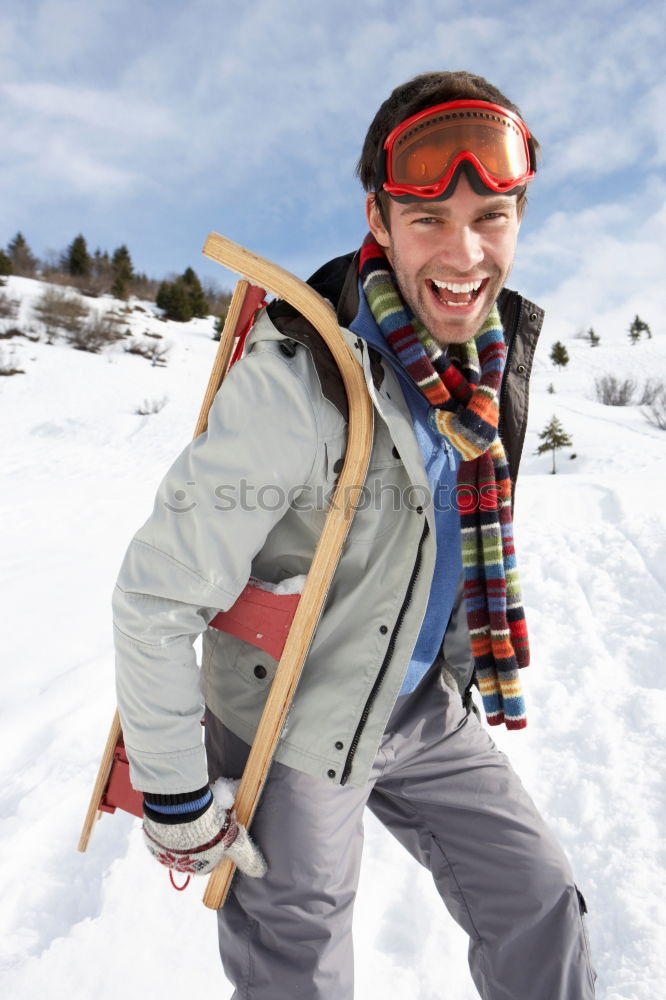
[(224, 790), (291, 585), (80, 469)]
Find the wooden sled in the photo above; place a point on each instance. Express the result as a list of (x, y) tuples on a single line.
[(112, 788)]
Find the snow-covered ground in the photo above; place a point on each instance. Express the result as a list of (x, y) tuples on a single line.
[(79, 470)]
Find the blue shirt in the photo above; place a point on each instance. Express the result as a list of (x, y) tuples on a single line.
[(440, 461)]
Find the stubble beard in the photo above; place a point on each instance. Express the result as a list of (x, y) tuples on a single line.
[(442, 329)]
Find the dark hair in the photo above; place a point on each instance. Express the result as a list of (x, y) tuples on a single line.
[(423, 91)]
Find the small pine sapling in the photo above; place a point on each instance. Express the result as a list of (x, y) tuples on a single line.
[(559, 355), (553, 437), (637, 329)]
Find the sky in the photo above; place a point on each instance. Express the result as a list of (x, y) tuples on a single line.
[(152, 124)]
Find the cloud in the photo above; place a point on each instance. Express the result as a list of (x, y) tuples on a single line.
[(600, 266), (73, 139), (92, 109), (249, 116)]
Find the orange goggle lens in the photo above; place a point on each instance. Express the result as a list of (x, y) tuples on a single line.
[(423, 153)]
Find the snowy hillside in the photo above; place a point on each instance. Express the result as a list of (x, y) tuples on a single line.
[(80, 467)]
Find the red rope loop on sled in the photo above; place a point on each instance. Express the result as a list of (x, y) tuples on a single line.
[(178, 888)]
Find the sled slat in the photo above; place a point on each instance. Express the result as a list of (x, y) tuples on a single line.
[(327, 553)]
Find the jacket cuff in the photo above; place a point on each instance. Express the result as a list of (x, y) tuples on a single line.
[(182, 807)]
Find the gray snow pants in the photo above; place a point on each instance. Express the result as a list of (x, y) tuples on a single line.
[(442, 788)]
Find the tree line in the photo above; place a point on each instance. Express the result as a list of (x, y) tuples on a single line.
[(182, 297)]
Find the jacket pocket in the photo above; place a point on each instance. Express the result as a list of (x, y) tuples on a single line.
[(236, 677)]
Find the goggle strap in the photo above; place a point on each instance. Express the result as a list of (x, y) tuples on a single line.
[(380, 169), (472, 175)]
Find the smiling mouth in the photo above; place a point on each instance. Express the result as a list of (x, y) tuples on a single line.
[(456, 293)]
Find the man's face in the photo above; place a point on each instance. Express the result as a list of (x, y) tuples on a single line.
[(439, 248)]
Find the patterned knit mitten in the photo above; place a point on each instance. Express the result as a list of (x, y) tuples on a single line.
[(197, 846)]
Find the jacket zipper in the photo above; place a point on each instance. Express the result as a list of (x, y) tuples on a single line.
[(387, 659)]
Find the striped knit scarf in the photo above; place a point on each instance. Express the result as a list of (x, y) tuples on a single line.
[(463, 390)]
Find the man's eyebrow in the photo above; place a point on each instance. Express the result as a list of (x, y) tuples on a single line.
[(502, 202), (497, 204), (419, 208)]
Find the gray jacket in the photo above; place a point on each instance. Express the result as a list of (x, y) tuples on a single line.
[(248, 498)]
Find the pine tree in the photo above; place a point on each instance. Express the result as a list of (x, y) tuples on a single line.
[(77, 261), (183, 298), (123, 272), (559, 355), (119, 288), (173, 297), (5, 263), (100, 264), (553, 437), (218, 326), (21, 256), (593, 337), (163, 297), (637, 328), (196, 293)]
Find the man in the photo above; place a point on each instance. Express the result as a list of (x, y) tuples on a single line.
[(383, 714)]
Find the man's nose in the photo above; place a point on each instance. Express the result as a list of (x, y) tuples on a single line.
[(463, 250)]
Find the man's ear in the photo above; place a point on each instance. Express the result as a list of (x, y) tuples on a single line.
[(375, 221)]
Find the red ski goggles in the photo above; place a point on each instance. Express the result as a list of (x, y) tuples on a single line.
[(425, 154)]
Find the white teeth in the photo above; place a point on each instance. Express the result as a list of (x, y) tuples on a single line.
[(451, 286)]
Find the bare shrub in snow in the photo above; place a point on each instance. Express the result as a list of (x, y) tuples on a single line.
[(14, 331), (59, 310), (611, 391), (218, 300), (653, 388), (155, 353), (589, 336), (151, 406), (7, 363), (8, 307), (99, 333), (655, 412)]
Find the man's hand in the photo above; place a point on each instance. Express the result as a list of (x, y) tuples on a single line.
[(198, 846)]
